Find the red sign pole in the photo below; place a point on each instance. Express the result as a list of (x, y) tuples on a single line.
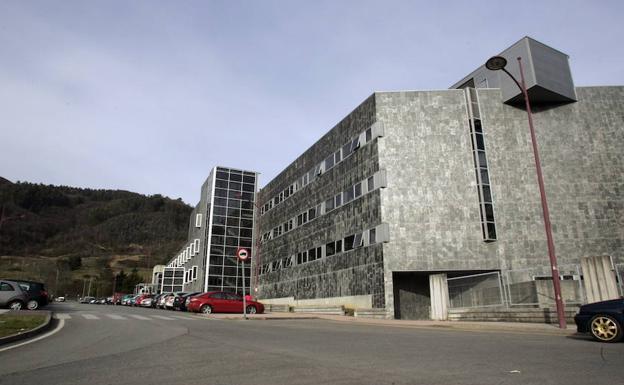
[(243, 255)]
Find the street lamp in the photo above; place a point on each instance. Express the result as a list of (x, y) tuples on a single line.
[(497, 63)]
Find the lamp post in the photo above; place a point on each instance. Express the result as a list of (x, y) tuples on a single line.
[(497, 63)]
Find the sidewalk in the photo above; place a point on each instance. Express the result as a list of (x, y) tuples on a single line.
[(517, 327)]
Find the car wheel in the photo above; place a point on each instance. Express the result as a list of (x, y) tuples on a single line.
[(251, 309), (16, 305), (605, 328), (206, 309), (32, 305)]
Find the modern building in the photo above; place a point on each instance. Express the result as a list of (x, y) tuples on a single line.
[(420, 201), (220, 224)]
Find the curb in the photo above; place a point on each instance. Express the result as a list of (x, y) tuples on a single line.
[(484, 327), (29, 333)]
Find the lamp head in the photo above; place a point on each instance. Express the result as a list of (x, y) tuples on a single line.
[(496, 63)]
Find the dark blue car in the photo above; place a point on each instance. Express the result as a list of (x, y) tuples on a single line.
[(604, 320)]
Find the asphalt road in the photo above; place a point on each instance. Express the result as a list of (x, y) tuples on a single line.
[(119, 345)]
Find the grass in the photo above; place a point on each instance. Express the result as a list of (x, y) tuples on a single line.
[(12, 323)]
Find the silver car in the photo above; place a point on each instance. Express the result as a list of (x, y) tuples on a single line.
[(12, 295)]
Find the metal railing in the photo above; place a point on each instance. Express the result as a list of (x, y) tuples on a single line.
[(534, 286), (477, 290)]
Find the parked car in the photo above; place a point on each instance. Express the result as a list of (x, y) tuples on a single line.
[(138, 300), (179, 302), (12, 295), (603, 320), (171, 298), (125, 300), (146, 300), (156, 300), (87, 299), (222, 302), (117, 298), (37, 293), (163, 299)]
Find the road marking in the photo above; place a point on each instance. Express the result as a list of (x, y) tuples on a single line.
[(182, 317), (62, 316), (48, 334), (142, 318), (163, 317), (116, 316), (90, 316)]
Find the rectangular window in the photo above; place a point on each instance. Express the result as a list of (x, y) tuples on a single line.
[(355, 144), (348, 195), (358, 190), (370, 184), (330, 249), (319, 169), (372, 235), (198, 220), (311, 255), (194, 272), (348, 242), (338, 199), (329, 205), (346, 150), (339, 246), (337, 157), (329, 162), (357, 240), (299, 219), (312, 213)]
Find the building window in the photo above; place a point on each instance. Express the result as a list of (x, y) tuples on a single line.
[(357, 190), (198, 220), (329, 162), (357, 240), (329, 205), (338, 199), (330, 249), (484, 192), (371, 236), (348, 195), (348, 242), (194, 272)]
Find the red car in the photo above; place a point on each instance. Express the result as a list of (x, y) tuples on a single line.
[(139, 299), (222, 302)]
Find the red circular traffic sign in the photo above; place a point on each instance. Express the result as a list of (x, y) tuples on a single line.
[(242, 254)]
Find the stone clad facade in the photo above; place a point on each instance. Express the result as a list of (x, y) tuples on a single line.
[(426, 203), (422, 201)]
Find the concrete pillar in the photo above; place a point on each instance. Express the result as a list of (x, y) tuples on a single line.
[(438, 288)]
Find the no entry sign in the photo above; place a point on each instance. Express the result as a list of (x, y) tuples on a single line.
[(242, 254)]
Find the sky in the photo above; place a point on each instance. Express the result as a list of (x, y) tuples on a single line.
[(149, 96)]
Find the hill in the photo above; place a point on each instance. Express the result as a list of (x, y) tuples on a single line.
[(65, 235)]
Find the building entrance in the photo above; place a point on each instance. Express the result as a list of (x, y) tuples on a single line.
[(412, 297)]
